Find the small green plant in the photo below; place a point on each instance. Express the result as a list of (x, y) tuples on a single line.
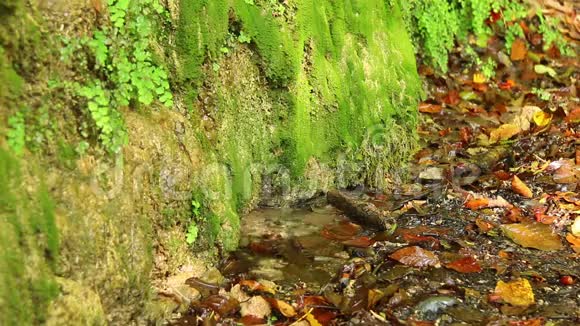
[(192, 232), (122, 53), (542, 94), (16, 133), (488, 68), (243, 38), (551, 36)]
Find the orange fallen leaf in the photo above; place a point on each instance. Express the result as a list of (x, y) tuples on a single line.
[(257, 286), (506, 85), (516, 293), (533, 235), (465, 265), (285, 308), (573, 116), (574, 241), (483, 225), (504, 132), (430, 108), (519, 50), (479, 203), (416, 257), (520, 188)]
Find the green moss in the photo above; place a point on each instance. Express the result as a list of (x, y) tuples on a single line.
[(30, 246)]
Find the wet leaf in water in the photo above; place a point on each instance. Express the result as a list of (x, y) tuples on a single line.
[(479, 203), (340, 232), (222, 305), (504, 132), (257, 286), (465, 265), (483, 225), (360, 242), (529, 322), (533, 235), (416, 257), (516, 293), (519, 187)]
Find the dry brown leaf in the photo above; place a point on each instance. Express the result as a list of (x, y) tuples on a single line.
[(533, 235), (504, 132), (519, 187), (519, 50), (517, 293), (430, 108), (416, 257)]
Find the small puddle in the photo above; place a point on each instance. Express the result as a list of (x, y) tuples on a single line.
[(287, 246)]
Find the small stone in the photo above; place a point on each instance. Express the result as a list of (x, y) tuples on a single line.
[(575, 229), (256, 306), (431, 173)]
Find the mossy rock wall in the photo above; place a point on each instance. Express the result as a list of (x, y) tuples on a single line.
[(322, 94), (274, 103)]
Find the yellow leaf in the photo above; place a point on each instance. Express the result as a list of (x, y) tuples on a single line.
[(542, 118), (504, 132), (519, 187), (479, 78), (517, 293), (311, 320)]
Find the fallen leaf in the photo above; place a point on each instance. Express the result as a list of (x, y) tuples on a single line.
[(360, 242), (374, 296), (311, 320), (483, 225), (520, 188), (573, 116), (529, 322), (541, 69), (504, 132), (430, 108), (506, 85), (341, 232), (575, 228), (533, 235), (574, 241), (222, 305), (465, 265), (257, 286), (516, 293), (416, 257), (479, 203), (285, 308), (542, 119), (519, 50), (479, 78)]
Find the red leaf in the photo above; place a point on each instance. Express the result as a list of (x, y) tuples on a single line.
[(361, 242), (479, 203), (341, 232), (416, 257), (465, 265)]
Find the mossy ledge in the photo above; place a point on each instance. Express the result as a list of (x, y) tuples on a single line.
[(272, 105)]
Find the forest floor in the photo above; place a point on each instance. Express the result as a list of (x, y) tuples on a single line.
[(488, 226)]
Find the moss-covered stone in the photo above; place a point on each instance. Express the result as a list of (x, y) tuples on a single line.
[(30, 247)]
